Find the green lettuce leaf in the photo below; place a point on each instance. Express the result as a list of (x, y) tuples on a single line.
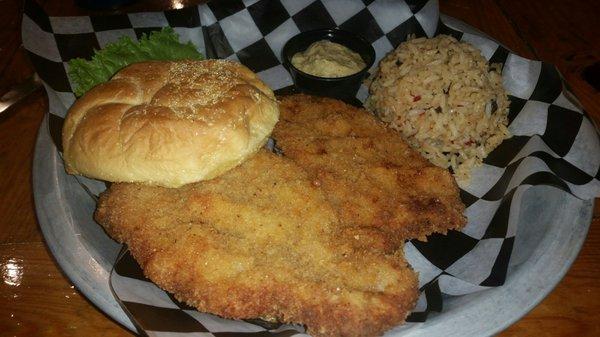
[(159, 45)]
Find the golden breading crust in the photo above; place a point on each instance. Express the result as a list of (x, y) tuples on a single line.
[(260, 241), (377, 184)]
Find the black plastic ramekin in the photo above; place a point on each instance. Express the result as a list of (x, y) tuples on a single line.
[(344, 88)]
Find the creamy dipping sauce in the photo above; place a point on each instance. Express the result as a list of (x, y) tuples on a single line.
[(328, 59)]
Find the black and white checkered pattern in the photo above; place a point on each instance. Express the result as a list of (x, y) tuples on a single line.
[(554, 143), (252, 32), (155, 312)]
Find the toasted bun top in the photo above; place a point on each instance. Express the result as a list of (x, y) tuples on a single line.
[(169, 123)]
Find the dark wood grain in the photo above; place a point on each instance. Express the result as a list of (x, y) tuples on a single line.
[(37, 300), (16, 156), (17, 134), (66, 8), (44, 302), (564, 33), (14, 66), (488, 17)]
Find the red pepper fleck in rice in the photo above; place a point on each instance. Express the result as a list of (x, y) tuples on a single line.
[(445, 99)]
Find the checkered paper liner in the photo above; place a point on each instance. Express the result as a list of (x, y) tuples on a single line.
[(554, 143)]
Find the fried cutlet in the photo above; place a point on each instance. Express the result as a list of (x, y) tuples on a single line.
[(260, 241), (378, 185)]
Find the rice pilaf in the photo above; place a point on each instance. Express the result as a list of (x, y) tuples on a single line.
[(445, 99)]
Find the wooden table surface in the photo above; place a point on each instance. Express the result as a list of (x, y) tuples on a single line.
[(36, 299)]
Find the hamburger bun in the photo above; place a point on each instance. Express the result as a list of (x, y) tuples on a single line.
[(169, 123)]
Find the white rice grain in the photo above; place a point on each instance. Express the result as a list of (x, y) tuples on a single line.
[(445, 99)]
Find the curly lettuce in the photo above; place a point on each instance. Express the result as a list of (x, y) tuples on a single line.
[(159, 45)]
